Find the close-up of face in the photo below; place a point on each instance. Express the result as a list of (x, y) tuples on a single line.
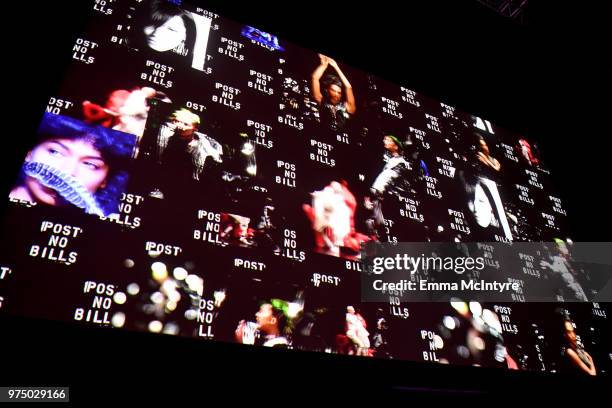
[(265, 318), (183, 123), (75, 157), (350, 309), (335, 93), (167, 36), (483, 146), (562, 248), (570, 334), (481, 207), (390, 144)]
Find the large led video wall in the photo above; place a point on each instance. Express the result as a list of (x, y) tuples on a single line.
[(198, 177)]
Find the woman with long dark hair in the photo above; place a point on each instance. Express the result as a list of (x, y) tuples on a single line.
[(163, 27), (575, 357)]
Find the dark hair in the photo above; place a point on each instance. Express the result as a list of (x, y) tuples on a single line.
[(470, 180), (477, 138), (115, 147), (328, 81), (279, 315), (562, 316), (281, 319), (158, 12)]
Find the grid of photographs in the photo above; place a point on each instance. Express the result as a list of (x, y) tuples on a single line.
[(197, 177)]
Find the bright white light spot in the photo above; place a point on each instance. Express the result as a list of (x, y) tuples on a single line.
[(118, 319), (157, 298), (248, 149), (174, 296), (438, 342), (119, 298), (168, 286), (195, 283), (460, 307), (133, 289), (180, 273), (160, 272), (475, 308), (219, 296), (155, 326), (293, 309), (491, 319)]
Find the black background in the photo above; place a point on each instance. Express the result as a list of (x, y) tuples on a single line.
[(543, 79)]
